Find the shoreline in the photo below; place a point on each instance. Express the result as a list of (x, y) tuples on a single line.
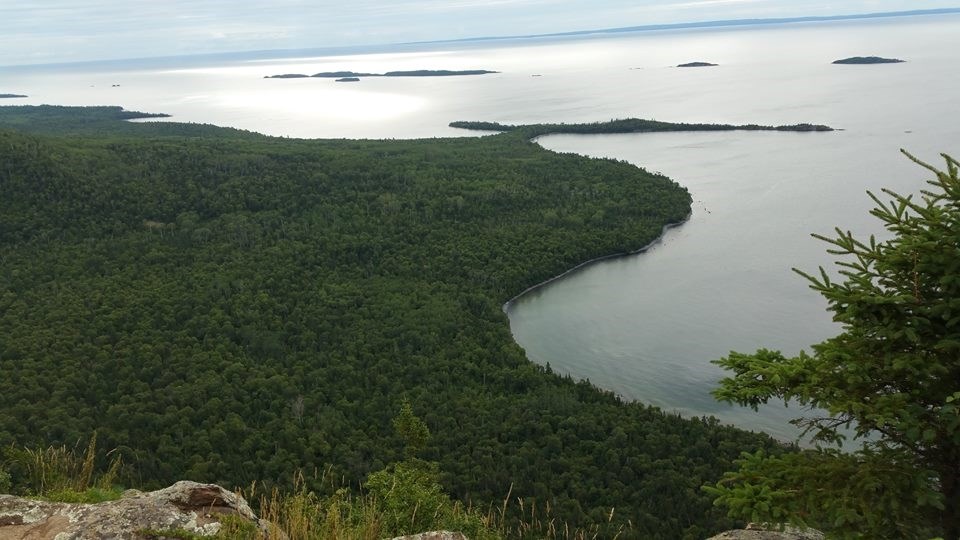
[(663, 230), (683, 412), (506, 305)]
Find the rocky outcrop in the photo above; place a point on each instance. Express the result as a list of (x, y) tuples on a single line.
[(184, 506), (762, 532), (436, 535)]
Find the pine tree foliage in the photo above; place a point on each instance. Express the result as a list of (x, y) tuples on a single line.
[(892, 376), (411, 429)]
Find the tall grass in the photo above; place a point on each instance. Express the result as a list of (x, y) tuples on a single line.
[(63, 474), (533, 522), (302, 515), (403, 499)]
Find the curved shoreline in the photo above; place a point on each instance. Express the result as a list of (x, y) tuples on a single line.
[(663, 230), (506, 305), (549, 129)]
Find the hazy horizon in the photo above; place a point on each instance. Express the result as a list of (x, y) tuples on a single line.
[(62, 32)]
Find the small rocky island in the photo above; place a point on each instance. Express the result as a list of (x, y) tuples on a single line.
[(12, 96), (348, 79), (413, 73), (697, 64), (868, 60)]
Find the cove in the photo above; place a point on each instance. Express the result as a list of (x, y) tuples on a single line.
[(647, 325)]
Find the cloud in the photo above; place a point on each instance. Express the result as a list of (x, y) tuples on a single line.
[(71, 30), (707, 3)]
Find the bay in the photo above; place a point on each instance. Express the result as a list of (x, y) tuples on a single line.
[(644, 326)]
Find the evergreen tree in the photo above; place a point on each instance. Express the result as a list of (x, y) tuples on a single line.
[(892, 376), (411, 429)]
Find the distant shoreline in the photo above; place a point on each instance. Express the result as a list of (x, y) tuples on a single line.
[(625, 125), (340, 75), (706, 24), (330, 50)]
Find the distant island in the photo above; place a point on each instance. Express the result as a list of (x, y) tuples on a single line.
[(869, 60), (697, 64), (12, 95), (348, 79), (627, 125), (413, 73)]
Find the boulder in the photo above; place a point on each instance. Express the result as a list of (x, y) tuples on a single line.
[(436, 535), (184, 506), (767, 532)]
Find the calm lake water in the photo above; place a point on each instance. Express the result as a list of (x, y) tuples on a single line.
[(644, 326)]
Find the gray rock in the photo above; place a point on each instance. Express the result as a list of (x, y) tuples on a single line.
[(185, 505), (764, 532), (436, 535)]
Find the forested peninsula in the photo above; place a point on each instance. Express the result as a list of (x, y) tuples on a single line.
[(228, 307), (625, 125), (12, 96)]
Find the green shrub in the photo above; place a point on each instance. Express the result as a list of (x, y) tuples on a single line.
[(5, 483), (88, 496)]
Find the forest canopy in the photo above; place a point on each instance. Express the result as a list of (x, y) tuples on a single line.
[(228, 307), (625, 125)]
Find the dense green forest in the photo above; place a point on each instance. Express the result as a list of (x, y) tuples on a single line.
[(228, 307), (625, 125)]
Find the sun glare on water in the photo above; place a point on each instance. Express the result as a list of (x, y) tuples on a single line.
[(339, 102)]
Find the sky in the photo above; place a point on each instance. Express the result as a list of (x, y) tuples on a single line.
[(54, 31)]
